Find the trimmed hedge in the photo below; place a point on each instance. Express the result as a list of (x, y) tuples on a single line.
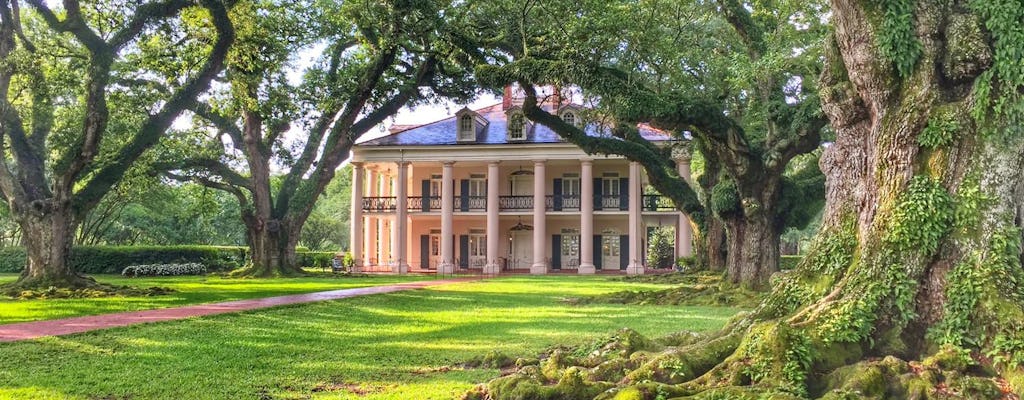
[(315, 259), (113, 259)]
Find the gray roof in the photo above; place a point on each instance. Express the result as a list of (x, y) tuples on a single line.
[(443, 132)]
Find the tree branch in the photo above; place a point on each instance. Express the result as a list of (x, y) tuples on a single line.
[(211, 166), (145, 14), (149, 133), (660, 169)]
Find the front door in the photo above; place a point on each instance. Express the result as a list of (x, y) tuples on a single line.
[(477, 250), (522, 250), (570, 249), (435, 250), (610, 248)]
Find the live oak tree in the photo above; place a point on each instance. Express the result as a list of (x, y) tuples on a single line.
[(919, 256), (283, 142), (73, 117), (736, 80)]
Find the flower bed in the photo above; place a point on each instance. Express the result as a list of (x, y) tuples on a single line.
[(164, 270)]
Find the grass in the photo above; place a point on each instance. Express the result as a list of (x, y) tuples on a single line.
[(190, 290), (395, 346)]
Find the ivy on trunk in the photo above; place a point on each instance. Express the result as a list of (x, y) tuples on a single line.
[(914, 286)]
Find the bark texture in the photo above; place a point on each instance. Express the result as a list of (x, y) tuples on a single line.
[(914, 286), (49, 189)]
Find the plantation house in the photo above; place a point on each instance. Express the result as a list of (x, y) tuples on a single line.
[(489, 190)]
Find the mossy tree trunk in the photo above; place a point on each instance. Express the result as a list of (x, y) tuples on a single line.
[(272, 246), (752, 254), (919, 256), (58, 159), (48, 230)]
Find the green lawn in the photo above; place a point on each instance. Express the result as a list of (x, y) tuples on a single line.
[(190, 290), (392, 346)]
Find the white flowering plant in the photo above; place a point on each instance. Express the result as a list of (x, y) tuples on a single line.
[(164, 269)]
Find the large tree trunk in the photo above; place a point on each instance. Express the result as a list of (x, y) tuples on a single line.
[(919, 255), (47, 232), (271, 249), (711, 245), (752, 254)]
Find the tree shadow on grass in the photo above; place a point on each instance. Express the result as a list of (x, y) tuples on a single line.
[(399, 344)]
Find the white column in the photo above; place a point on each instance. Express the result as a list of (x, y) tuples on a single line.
[(684, 230), (493, 185), (636, 265), (382, 225), (586, 218), (370, 237), (399, 247), (447, 210), (356, 221), (540, 264)]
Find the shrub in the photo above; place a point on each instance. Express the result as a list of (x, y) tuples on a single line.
[(661, 247), (164, 270), (687, 264), (314, 259), (113, 259)]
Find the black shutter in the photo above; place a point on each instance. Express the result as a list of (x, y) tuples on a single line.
[(598, 182), (464, 195), (556, 251), (597, 252), (425, 193), (623, 251), (424, 251), (463, 251), (623, 194), (558, 194)]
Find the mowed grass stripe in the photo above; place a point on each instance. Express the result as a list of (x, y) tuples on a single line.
[(190, 290), (392, 346)]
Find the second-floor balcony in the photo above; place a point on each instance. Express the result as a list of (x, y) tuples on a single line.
[(650, 202)]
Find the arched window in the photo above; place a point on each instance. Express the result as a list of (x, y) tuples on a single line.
[(569, 117), (466, 127), (516, 127)]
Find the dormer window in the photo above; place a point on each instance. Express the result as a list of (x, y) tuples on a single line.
[(569, 117), (571, 114), (468, 124), (466, 128), (517, 126)]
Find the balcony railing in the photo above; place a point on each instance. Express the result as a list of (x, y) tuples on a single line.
[(567, 202), (609, 202), (650, 202), (515, 203), (471, 203), (657, 202), (379, 204)]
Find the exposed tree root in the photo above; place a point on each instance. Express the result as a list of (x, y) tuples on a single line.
[(766, 363), (74, 287)]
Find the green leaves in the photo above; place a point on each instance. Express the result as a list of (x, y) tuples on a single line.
[(922, 216), (897, 39), (940, 131)]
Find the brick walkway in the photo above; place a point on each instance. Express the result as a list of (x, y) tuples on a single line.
[(67, 326)]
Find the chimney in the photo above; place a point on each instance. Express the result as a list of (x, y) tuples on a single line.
[(506, 98), (556, 97)]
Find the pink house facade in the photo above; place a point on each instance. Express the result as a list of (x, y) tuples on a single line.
[(488, 191)]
